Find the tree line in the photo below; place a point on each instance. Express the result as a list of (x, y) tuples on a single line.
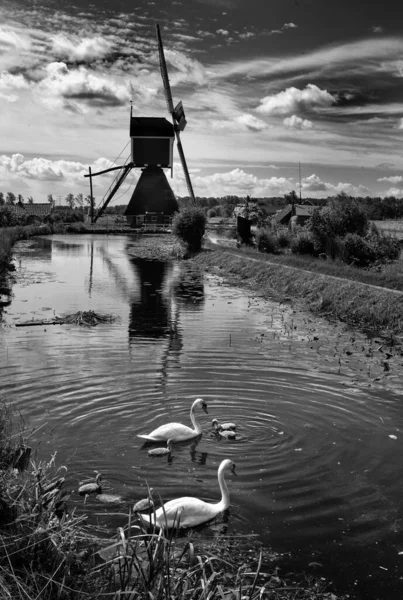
[(11, 199), (377, 208)]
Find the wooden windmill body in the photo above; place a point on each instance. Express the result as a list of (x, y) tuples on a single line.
[(153, 202)]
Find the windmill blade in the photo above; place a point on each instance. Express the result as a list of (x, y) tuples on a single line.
[(184, 167), (164, 74)]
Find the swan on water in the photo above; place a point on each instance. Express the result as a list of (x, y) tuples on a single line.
[(188, 511), (176, 431), (223, 426), (94, 487), (162, 451)]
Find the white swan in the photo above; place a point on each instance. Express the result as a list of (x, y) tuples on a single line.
[(176, 431), (189, 511)]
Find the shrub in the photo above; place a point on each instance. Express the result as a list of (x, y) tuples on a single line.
[(266, 241), (9, 218), (303, 243), (337, 220), (283, 239), (385, 247), (357, 250), (189, 225), (76, 228)]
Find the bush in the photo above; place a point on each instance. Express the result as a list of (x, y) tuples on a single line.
[(337, 220), (283, 239), (384, 247), (9, 218), (76, 228), (303, 243), (266, 241), (189, 226), (358, 251)]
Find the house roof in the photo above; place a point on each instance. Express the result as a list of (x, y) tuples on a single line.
[(39, 209), (304, 210), (301, 210), (151, 127), (152, 194)]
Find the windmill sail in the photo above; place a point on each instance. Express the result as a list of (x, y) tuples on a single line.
[(177, 113)]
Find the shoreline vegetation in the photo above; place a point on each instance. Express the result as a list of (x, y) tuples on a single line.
[(49, 552), (370, 301)]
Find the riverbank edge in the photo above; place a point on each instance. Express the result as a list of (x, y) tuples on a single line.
[(378, 311)]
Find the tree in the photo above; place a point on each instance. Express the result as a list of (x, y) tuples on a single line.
[(10, 198), (70, 200), (51, 200), (79, 199), (20, 199), (189, 225), (2, 201), (30, 200)]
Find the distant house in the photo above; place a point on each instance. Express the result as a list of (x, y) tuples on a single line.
[(36, 210), (294, 214)]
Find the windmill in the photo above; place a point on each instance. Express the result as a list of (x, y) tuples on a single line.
[(153, 201), (177, 114)]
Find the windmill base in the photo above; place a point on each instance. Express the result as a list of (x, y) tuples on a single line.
[(153, 201)]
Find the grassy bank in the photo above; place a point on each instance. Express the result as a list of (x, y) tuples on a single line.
[(10, 235), (340, 296), (48, 553)]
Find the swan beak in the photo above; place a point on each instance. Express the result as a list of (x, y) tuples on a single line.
[(233, 470), (205, 408)]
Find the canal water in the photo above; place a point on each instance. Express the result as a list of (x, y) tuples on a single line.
[(319, 442)]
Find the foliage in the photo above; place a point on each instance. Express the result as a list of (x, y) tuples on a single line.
[(283, 239), (65, 215), (266, 241), (303, 243), (357, 250), (337, 220), (189, 226), (9, 218)]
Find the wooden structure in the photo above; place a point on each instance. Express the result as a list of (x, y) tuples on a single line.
[(152, 139)]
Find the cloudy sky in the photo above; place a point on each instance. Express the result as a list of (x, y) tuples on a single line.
[(266, 85)]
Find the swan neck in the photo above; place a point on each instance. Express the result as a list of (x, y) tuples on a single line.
[(195, 422), (224, 502)]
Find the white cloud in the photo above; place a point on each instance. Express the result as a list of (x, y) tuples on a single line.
[(393, 179), (292, 100), (75, 87), (9, 84), (222, 32), (295, 122), (377, 29), (44, 169), (75, 48), (396, 192), (400, 126), (246, 35), (313, 185), (251, 122), (289, 26), (188, 69)]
